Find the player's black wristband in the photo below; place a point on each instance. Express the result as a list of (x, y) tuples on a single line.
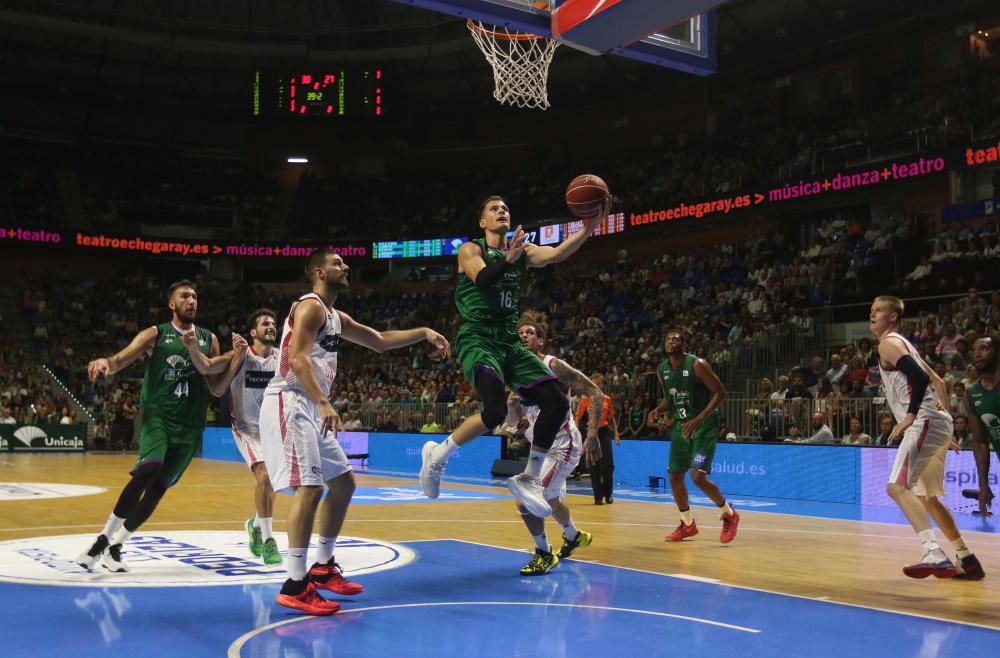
[(492, 273), (918, 382)]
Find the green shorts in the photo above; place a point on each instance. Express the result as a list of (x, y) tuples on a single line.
[(168, 443), (698, 451), (500, 353)]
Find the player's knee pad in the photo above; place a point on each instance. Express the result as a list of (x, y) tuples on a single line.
[(494, 397)]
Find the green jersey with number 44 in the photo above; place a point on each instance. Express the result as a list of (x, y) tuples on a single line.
[(171, 388), (498, 305), (688, 396)]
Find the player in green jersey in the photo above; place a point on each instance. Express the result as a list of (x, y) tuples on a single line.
[(982, 405), (491, 278), (173, 400), (693, 393)]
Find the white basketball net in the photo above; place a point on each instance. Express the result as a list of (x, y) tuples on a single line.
[(520, 64)]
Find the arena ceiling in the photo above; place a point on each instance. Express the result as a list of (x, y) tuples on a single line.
[(196, 57)]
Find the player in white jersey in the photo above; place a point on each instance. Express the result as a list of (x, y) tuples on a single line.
[(296, 419), (918, 399), (561, 459), (247, 374)]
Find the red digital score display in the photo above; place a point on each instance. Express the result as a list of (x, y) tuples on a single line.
[(334, 92)]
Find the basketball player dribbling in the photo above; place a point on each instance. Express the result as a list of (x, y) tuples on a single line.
[(298, 427), (917, 398), (491, 279), (561, 458)]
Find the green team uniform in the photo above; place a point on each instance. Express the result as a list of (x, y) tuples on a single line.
[(488, 338), (986, 407), (688, 398), (173, 400)]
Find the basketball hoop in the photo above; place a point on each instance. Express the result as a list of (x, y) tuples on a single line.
[(520, 63)]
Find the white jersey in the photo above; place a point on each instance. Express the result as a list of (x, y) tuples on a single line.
[(247, 389), (568, 438), (323, 355), (897, 390)]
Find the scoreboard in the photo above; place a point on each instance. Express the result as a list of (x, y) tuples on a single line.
[(417, 248), (328, 92)]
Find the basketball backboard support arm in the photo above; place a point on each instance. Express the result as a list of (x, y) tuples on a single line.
[(626, 28)]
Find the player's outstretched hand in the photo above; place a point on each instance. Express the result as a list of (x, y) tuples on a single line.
[(442, 347), (515, 246), (98, 368), (605, 210)]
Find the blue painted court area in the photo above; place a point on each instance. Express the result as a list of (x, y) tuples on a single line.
[(383, 495), (464, 599)]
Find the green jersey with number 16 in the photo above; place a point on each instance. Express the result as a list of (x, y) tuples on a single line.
[(498, 306), (172, 389)]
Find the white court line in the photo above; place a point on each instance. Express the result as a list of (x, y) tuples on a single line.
[(235, 647), (768, 591), (909, 538)]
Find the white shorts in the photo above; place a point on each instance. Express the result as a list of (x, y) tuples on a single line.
[(295, 452), (919, 461), (558, 466), (248, 442)]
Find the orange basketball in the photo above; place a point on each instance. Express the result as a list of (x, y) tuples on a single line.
[(586, 194)]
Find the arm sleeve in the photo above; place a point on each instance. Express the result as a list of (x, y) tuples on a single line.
[(918, 382), (491, 274)]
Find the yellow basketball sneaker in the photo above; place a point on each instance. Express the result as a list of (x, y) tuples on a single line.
[(568, 547)]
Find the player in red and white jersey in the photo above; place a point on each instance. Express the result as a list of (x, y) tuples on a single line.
[(247, 375), (296, 419), (918, 399), (561, 459)]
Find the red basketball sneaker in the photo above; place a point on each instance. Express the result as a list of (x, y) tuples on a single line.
[(683, 531), (308, 600), (330, 576), (729, 524)]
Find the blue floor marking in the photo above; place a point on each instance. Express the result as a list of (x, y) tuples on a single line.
[(414, 494), (826, 510), (578, 609)]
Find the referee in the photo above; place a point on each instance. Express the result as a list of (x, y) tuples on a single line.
[(602, 474)]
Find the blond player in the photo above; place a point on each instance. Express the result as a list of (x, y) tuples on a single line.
[(917, 398)]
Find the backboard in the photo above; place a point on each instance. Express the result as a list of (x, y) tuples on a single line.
[(677, 34)]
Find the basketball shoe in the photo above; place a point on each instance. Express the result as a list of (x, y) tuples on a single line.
[(683, 531), (89, 558), (541, 563), (306, 599), (569, 547), (330, 576), (934, 563)]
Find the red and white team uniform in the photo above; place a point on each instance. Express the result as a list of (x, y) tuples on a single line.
[(295, 450), (920, 459), (246, 394), (565, 452)]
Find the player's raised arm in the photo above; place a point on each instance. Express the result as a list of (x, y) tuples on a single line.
[(204, 364), (383, 341), (472, 265), (143, 341), (543, 256), (219, 384)]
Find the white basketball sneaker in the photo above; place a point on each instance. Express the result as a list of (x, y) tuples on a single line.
[(430, 473), (89, 558), (530, 492), (113, 560)]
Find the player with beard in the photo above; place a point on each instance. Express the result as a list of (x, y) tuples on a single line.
[(247, 374), (982, 405), (561, 458), (296, 419), (174, 398)]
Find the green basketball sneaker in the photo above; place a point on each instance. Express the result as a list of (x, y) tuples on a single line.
[(582, 540), (256, 544), (541, 563), (269, 551)]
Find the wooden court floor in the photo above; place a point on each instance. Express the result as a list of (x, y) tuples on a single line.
[(843, 561)]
